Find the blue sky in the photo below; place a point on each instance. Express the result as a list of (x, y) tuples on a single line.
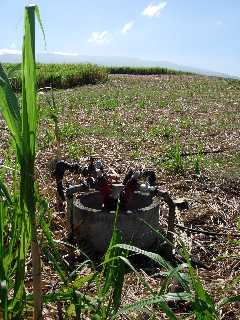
[(202, 33)]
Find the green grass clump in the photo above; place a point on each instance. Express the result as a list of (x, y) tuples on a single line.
[(174, 159), (163, 129)]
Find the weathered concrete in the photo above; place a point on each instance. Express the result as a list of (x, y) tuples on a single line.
[(91, 223)]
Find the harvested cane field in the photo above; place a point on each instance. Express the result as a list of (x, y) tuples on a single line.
[(187, 129)]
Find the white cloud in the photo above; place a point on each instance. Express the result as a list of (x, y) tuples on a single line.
[(10, 51), (154, 10), (60, 53), (127, 27), (99, 38)]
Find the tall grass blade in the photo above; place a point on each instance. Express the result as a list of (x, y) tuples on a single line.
[(112, 273), (9, 107), (29, 128), (37, 13), (202, 304), (23, 127), (159, 300), (227, 300), (3, 270), (29, 108)]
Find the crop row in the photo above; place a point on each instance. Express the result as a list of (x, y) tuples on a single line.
[(65, 76), (60, 76), (143, 70)]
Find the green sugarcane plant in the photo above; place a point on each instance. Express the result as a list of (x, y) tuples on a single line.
[(22, 122), (60, 75)]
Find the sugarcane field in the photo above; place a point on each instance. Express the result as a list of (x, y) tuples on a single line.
[(119, 176)]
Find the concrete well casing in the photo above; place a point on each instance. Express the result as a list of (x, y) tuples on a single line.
[(90, 222)]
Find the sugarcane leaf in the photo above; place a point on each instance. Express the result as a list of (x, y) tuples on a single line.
[(9, 107), (159, 300), (227, 300), (29, 107), (37, 13)]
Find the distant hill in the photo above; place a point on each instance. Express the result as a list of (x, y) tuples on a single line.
[(109, 61)]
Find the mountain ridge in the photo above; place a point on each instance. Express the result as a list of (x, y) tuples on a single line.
[(110, 61)]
